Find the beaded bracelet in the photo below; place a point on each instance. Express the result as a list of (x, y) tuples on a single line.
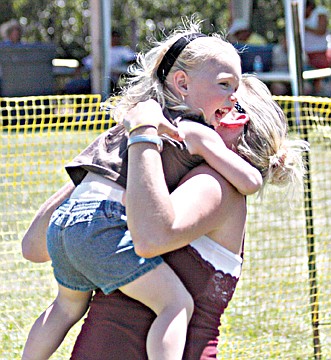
[(141, 126), (146, 139)]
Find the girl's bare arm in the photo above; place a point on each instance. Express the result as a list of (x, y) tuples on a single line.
[(205, 142)]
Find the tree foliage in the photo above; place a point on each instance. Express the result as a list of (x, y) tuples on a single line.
[(270, 24), (63, 22), (66, 22), (155, 17)]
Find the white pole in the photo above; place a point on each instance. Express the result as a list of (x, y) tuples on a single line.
[(96, 42), (290, 41), (106, 41), (100, 33)]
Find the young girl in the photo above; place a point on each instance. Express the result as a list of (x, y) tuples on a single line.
[(194, 78), (263, 142)]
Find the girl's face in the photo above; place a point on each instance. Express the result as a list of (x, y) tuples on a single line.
[(231, 127), (212, 85)]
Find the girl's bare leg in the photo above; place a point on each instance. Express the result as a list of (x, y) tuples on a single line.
[(49, 330), (163, 292)]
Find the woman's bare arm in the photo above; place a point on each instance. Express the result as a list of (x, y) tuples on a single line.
[(204, 204), (322, 25), (160, 222), (34, 241)]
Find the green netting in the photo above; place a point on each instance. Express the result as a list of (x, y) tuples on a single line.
[(282, 307)]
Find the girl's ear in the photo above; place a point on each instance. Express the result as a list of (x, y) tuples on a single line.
[(180, 81)]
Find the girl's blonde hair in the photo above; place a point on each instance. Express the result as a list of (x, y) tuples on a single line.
[(265, 144), (143, 83)]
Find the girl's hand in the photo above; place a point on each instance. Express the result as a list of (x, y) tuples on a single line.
[(150, 113)]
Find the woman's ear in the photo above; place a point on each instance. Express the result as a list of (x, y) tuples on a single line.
[(180, 81)]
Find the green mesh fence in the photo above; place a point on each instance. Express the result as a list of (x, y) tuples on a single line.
[(282, 307)]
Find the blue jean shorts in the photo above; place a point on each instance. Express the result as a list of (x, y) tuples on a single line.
[(91, 247)]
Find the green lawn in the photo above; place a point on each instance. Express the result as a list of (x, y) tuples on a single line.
[(269, 317)]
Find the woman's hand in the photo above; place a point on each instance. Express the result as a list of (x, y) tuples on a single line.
[(150, 113)]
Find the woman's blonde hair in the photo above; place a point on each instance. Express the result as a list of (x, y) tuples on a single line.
[(144, 84), (265, 143)]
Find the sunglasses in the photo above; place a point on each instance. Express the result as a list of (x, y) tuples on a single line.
[(240, 109)]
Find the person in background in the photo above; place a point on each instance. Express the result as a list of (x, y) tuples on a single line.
[(80, 83), (328, 50), (241, 32), (11, 32), (121, 56), (280, 64), (315, 39)]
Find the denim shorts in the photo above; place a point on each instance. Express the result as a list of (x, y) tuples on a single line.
[(91, 247)]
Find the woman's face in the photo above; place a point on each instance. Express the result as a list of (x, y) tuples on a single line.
[(15, 35), (231, 127), (212, 85), (309, 9)]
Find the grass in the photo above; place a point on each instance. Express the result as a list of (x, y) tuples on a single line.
[(269, 317)]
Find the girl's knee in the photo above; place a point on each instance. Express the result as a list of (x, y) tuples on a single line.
[(185, 301), (72, 304), (190, 307)]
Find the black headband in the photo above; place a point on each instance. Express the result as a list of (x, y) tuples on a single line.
[(239, 108), (172, 54)]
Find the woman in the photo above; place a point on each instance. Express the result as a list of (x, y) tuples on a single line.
[(315, 39), (88, 240), (210, 266), (316, 30)]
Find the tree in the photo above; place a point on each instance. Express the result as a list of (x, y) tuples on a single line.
[(154, 17), (62, 22), (66, 22), (270, 24)]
